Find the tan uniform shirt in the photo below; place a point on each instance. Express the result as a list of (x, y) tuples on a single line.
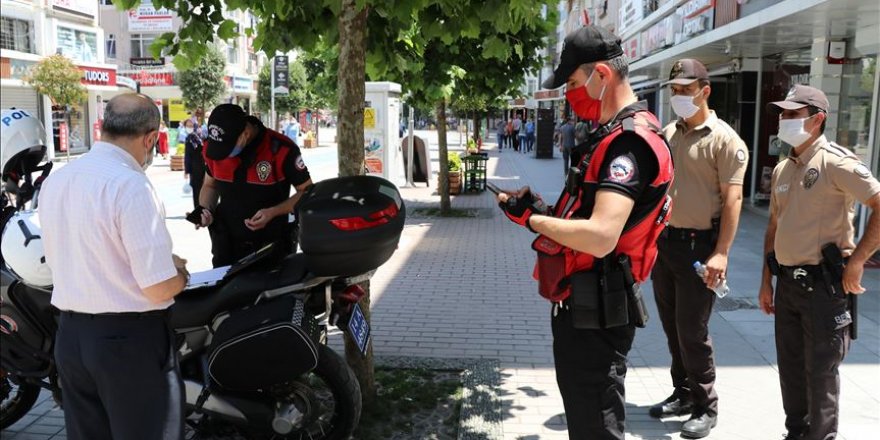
[(813, 199), (705, 157)]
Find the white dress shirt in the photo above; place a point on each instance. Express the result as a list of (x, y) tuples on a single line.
[(103, 229)]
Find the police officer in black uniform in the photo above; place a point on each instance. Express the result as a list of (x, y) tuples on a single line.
[(249, 171), (612, 210)]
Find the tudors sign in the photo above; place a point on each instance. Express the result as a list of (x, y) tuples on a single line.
[(98, 76)]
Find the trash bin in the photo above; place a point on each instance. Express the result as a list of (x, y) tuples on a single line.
[(475, 172)]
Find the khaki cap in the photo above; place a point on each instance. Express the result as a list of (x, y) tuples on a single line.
[(686, 71), (799, 97)]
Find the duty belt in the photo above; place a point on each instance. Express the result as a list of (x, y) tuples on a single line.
[(686, 234), (807, 276)]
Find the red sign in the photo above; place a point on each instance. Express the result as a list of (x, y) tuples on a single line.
[(96, 130), (153, 79), (98, 76), (62, 136)]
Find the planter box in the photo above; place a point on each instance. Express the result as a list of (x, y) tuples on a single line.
[(309, 143), (176, 163), (454, 183)]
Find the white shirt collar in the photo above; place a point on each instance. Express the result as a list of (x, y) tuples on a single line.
[(115, 151)]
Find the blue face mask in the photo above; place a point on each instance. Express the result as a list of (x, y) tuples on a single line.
[(236, 151)]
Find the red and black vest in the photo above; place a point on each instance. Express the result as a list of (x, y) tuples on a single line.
[(556, 263)]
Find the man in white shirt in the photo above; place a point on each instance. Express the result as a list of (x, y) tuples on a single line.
[(114, 278)]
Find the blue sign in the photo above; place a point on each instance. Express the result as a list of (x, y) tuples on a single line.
[(360, 330)]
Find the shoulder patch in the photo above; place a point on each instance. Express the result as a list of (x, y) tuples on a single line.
[(300, 164), (862, 171), (621, 170), (740, 156)]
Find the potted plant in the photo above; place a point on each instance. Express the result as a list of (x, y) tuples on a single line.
[(309, 140), (454, 175), (177, 158)]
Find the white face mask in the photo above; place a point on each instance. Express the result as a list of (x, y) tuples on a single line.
[(683, 106), (791, 131)]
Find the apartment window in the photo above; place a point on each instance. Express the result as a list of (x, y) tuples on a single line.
[(107, 2), (140, 45), (111, 46), (16, 35), (232, 52)]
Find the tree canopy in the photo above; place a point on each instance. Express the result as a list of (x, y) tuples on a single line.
[(203, 85), (58, 78)]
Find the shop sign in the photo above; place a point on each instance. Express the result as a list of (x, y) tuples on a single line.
[(659, 36), (146, 18), (697, 17), (62, 136), (98, 76), (631, 12), (548, 94), (85, 8), (153, 79), (147, 62), (125, 81), (80, 46), (240, 84), (280, 71), (631, 48), (14, 69), (176, 110)]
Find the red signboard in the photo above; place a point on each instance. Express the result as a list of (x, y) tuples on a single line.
[(96, 130), (98, 76), (153, 79), (62, 136)]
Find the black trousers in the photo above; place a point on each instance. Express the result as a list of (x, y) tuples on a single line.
[(566, 152), (810, 345), (196, 185), (119, 377), (684, 304), (590, 371)]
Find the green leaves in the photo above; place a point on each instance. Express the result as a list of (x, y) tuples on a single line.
[(201, 81), (58, 78), (226, 30)]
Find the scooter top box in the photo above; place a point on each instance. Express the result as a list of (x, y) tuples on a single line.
[(350, 225)]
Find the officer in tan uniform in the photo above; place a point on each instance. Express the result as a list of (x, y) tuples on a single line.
[(710, 162), (812, 205)]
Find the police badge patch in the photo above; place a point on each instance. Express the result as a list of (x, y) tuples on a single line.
[(810, 178), (621, 170), (263, 170), (740, 156), (862, 171)]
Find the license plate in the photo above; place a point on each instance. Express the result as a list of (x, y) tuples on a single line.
[(359, 329)]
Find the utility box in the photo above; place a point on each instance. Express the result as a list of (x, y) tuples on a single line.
[(545, 129), (382, 153)]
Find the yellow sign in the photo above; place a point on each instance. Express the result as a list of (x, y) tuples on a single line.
[(176, 110), (369, 118)]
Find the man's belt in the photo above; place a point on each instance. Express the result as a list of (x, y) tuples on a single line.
[(147, 314), (686, 234), (797, 273)]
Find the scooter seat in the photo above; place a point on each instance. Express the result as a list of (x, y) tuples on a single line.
[(196, 307)]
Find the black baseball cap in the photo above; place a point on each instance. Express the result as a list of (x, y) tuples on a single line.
[(686, 71), (585, 45), (801, 96), (225, 125)]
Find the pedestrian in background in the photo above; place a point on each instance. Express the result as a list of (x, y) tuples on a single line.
[(114, 278), (509, 131), (517, 127), (162, 145), (625, 184), (567, 143), (193, 159), (501, 134), (710, 163), (530, 134), (812, 206)]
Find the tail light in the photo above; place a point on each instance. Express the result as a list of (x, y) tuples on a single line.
[(374, 219), (352, 294)]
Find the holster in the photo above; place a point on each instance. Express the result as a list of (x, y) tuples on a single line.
[(833, 265), (606, 296), (638, 311)]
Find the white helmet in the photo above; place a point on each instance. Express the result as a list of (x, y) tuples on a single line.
[(23, 143), (22, 249)]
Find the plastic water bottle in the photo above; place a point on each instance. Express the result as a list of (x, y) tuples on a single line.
[(721, 290)]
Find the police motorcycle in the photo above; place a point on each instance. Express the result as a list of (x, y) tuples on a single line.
[(252, 339)]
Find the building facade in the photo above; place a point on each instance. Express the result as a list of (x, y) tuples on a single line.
[(33, 29), (755, 51)]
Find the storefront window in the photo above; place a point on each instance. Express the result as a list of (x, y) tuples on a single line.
[(77, 121), (856, 111)]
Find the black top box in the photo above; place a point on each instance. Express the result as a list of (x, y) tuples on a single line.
[(350, 225)]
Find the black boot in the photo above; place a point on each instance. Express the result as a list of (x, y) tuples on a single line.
[(699, 425), (674, 405)]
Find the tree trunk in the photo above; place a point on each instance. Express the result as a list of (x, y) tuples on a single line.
[(352, 74), (350, 138), (445, 205)]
